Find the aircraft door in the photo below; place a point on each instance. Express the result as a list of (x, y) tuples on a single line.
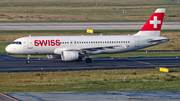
[(136, 42), (29, 43)]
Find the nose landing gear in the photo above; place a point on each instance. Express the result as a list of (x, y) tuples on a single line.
[(28, 59)]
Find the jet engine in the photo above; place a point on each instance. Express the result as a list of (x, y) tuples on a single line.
[(69, 55), (53, 56)]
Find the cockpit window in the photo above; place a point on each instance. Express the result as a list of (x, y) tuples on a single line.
[(17, 42)]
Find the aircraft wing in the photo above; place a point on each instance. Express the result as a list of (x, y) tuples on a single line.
[(97, 48)]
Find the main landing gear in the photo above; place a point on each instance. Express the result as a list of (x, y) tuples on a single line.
[(79, 59), (28, 59), (88, 60)]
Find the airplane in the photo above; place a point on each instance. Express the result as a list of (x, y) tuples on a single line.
[(74, 48)]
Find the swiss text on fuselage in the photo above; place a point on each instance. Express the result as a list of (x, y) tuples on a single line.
[(47, 42)]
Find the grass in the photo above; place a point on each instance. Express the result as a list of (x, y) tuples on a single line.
[(84, 11), (2, 47), (91, 80)]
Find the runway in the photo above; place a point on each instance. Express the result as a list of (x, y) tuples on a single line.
[(98, 96), (83, 26), (11, 64)]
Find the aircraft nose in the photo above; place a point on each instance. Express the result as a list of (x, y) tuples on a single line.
[(8, 49)]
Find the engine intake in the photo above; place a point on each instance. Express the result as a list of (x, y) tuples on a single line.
[(69, 55)]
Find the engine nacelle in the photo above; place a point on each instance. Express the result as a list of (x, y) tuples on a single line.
[(69, 55), (53, 56)]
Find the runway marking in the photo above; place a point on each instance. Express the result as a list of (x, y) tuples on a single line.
[(8, 97), (139, 61), (125, 98), (143, 62)]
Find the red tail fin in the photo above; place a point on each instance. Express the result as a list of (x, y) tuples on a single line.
[(155, 21), (153, 25)]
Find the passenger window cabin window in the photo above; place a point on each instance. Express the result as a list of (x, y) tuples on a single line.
[(16, 42)]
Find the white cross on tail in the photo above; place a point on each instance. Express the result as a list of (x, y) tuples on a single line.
[(155, 21)]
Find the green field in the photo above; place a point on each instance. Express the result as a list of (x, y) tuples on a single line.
[(85, 10), (91, 80)]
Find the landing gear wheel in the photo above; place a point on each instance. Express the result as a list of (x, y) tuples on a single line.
[(88, 60), (28, 61), (79, 59)]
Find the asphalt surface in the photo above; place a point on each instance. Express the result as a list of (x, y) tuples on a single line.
[(83, 26), (11, 64), (5, 97), (99, 96)]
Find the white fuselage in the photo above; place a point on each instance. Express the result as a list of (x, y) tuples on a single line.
[(108, 44)]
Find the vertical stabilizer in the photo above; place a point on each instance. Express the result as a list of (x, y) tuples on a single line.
[(153, 26)]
